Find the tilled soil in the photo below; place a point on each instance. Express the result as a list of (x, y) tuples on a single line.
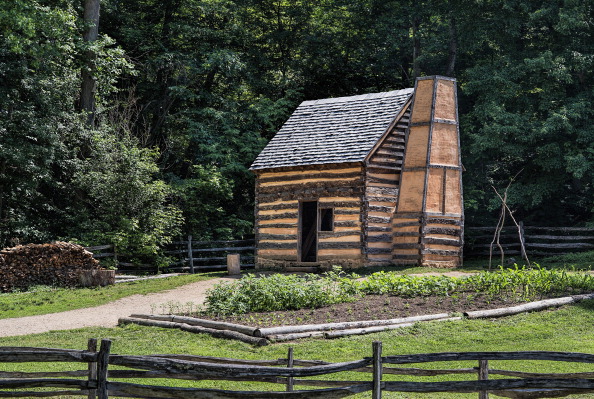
[(371, 307)]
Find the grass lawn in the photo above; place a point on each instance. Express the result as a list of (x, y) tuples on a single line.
[(565, 329), (44, 300)]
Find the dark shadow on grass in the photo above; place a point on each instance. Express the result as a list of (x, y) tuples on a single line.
[(587, 304)]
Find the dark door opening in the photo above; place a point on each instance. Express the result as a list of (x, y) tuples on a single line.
[(309, 231)]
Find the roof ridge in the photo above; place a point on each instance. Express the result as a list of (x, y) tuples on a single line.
[(333, 130), (359, 97)]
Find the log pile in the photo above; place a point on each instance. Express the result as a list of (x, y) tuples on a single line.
[(60, 263)]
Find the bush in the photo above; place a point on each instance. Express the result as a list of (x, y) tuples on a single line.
[(280, 292)]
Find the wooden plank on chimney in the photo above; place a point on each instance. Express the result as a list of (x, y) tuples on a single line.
[(434, 201), (445, 101), (453, 194), (412, 191), (444, 145), (416, 148), (423, 102)]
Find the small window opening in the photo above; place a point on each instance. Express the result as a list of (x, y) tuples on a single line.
[(326, 219)]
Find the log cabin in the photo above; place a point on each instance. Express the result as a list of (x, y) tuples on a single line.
[(366, 180)]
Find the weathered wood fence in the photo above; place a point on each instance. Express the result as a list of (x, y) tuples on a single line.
[(98, 380), (189, 256), (209, 255), (101, 252), (538, 241)]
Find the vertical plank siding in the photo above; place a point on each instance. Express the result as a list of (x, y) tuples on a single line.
[(278, 194)]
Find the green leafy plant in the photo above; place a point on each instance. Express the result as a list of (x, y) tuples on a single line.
[(280, 292), (288, 292)]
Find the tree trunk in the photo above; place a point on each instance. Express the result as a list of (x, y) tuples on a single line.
[(88, 85), (416, 22), (163, 79), (453, 51)]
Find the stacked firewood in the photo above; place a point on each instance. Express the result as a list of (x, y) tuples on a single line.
[(59, 264)]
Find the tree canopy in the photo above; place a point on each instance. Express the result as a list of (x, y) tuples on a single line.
[(189, 91)]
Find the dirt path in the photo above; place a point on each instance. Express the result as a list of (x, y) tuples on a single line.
[(106, 315)]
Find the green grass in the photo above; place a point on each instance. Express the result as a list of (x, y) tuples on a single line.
[(44, 300), (577, 260), (566, 329)]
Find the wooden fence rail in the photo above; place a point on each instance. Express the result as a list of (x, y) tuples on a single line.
[(209, 255), (188, 256), (538, 241), (98, 381)]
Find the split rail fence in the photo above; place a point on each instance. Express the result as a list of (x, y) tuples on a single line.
[(538, 241), (209, 255), (191, 256), (98, 380), (188, 256)]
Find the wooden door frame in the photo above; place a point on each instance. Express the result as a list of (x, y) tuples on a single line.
[(300, 228)]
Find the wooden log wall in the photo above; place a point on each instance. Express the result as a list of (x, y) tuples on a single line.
[(428, 224), (382, 180), (278, 195)]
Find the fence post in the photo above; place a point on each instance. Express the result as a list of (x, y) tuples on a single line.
[(115, 257), (290, 380), (233, 264), (483, 374), (377, 370), (92, 347), (190, 254), (102, 364)]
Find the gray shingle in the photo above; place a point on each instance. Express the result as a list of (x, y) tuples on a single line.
[(332, 130)]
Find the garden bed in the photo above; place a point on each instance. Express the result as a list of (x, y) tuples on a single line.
[(285, 307), (370, 307), (277, 326)]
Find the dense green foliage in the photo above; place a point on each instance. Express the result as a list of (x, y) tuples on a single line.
[(288, 292), (189, 91)]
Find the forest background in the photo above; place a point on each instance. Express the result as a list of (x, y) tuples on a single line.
[(185, 94)]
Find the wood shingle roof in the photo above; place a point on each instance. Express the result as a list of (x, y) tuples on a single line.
[(332, 130)]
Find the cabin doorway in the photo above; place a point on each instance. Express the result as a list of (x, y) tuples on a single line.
[(308, 236)]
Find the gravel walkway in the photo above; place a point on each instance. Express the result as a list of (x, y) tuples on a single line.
[(106, 315)]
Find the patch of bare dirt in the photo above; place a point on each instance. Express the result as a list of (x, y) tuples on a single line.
[(371, 307)]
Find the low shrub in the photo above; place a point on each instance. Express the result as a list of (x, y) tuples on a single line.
[(529, 283), (281, 292), (408, 286), (580, 259)]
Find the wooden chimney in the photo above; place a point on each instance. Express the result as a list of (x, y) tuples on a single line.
[(429, 218)]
